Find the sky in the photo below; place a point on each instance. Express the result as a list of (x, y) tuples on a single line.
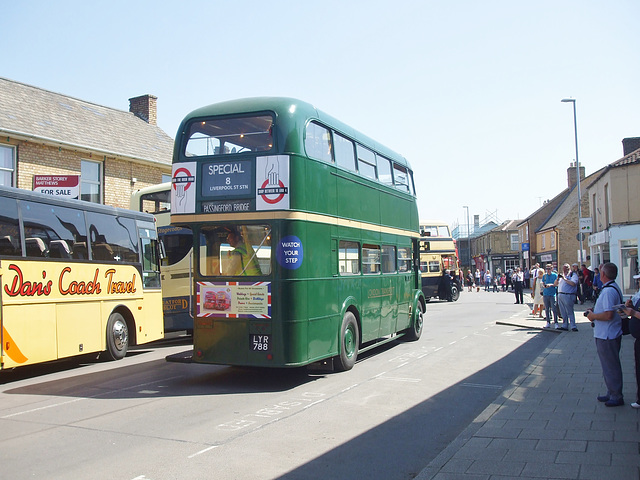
[(468, 91)]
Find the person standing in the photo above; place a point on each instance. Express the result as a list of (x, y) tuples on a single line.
[(607, 332), (487, 280), (549, 295), (631, 308), (469, 281), (567, 285), (537, 288), (518, 285), (579, 292), (597, 283)]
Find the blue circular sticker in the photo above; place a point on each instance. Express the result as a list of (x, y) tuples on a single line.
[(289, 252)]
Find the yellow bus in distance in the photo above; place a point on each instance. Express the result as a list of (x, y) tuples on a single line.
[(76, 278), (438, 253)]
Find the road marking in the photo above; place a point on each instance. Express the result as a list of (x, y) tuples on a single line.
[(202, 451), (43, 408), (400, 379)]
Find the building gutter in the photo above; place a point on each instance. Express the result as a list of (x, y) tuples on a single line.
[(81, 148)]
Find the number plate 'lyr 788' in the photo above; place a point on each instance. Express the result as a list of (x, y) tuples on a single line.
[(260, 343)]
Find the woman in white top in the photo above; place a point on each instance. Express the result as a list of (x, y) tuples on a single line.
[(538, 301)]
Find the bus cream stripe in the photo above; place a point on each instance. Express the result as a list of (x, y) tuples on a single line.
[(280, 215)]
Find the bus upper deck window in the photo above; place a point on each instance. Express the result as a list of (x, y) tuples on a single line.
[(400, 177), (227, 136), (317, 142)]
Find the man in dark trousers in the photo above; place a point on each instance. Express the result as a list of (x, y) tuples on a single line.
[(518, 285), (445, 287), (607, 331)]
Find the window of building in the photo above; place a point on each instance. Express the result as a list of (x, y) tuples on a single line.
[(345, 155), (553, 239), (515, 242), (606, 206), (511, 264), (7, 165), (91, 181), (543, 240), (628, 266)]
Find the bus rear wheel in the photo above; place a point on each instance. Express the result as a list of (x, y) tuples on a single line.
[(117, 336), (414, 332), (455, 293), (349, 337)]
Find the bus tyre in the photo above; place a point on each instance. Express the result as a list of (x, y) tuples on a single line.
[(414, 332), (455, 293), (117, 336), (349, 337)]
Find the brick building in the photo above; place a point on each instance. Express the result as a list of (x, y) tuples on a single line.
[(556, 238), (113, 151), (614, 198)]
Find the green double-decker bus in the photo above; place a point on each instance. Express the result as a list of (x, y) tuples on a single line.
[(305, 235)]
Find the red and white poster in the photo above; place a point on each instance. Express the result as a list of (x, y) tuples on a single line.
[(272, 182), (183, 188), (66, 186)]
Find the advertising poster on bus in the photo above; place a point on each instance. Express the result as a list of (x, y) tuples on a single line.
[(234, 299)]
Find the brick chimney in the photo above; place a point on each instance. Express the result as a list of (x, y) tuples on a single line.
[(571, 174), (630, 145), (145, 107)]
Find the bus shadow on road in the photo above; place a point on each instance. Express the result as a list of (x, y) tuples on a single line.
[(176, 379), (403, 446)]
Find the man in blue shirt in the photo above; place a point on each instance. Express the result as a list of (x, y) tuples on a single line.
[(549, 295), (607, 331)]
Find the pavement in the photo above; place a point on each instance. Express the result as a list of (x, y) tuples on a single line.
[(548, 423)]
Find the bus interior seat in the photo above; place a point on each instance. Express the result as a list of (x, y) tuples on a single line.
[(80, 251), (102, 251), (59, 249), (7, 247), (35, 247)]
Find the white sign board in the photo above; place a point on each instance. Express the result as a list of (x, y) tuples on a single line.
[(66, 186), (586, 225)]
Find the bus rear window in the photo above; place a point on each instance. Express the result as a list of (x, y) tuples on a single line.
[(229, 136), (235, 250)]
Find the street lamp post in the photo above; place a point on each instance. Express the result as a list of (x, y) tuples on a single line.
[(575, 130), (468, 236)]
